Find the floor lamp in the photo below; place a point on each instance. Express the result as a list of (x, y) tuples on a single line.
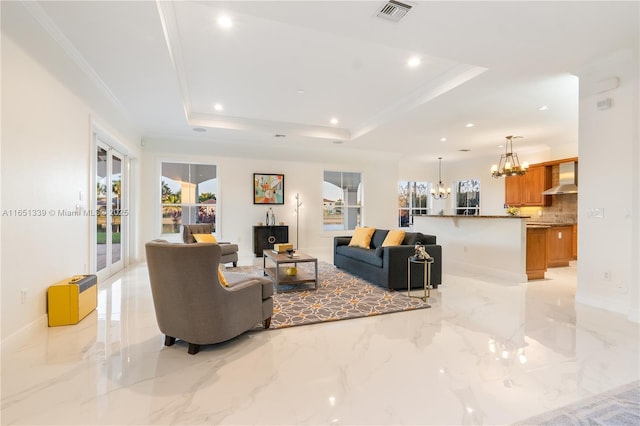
[(298, 204)]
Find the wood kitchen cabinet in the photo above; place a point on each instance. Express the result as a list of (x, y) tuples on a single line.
[(513, 190), (536, 252), (559, 245), (536, 180), (526, 190)]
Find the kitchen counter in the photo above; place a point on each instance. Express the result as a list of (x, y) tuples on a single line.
[(461, 216), (550, 223), (486, 245)]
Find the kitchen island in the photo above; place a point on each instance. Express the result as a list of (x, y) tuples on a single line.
[(492, 246)]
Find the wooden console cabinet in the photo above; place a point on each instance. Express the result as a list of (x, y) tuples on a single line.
[(264, 237)]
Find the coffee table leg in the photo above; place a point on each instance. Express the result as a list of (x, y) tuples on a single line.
[(315, 264)]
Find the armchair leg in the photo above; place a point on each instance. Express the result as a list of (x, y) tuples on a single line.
[(267, 323), (168, 340), (193, 348), (235, 264)]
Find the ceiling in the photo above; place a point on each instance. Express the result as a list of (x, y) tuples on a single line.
[(286, 68)]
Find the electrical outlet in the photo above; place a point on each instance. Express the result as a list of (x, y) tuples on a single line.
[(23, 296), (621, 288), (606, 275)]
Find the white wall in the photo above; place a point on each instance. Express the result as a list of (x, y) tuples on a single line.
[(46, 153), (608, 179), (304, 175)]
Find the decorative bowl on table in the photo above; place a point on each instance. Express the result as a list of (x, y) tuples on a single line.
[(291, 271)]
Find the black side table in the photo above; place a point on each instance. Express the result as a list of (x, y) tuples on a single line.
[(426, 279)]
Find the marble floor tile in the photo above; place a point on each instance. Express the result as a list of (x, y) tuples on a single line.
[(485, 353)]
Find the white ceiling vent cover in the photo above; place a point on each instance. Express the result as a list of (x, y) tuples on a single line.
[(394, 10)]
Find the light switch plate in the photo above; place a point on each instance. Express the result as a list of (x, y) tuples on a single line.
[(597, 213)]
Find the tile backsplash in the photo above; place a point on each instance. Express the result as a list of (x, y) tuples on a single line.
[(563, 209)]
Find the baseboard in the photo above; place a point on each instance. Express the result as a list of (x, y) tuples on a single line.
[(452, 267), (604, 303), (14, 338)]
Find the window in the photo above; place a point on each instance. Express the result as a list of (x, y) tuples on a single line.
[(412, 200), (468, 197), (342, 201), (188, 195)]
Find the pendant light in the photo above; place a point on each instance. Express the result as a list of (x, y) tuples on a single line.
[(509, 164), (439, 191)]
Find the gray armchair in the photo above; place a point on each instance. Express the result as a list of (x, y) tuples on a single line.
[(229, 250), (192, 305)]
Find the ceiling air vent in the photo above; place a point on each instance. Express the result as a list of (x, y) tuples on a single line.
[(393, 10)]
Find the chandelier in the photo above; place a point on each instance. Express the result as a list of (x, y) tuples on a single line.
[(509, 164), (439, 191)]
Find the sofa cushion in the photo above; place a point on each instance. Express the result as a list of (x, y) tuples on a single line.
[(228, 248), (378, 238), (395, 237), (363, 255), (362, 237), (205, 238), (239, 279), (411, 238), (222, 278), (198, 228)]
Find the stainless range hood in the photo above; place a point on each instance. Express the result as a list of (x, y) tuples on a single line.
[(568, 180)]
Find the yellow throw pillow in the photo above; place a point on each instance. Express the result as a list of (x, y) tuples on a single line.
[(221, 278), (362, 237), (205, 238), (393, 238)]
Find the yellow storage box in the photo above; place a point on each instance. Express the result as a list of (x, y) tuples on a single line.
[(282, 247), (72, 299)]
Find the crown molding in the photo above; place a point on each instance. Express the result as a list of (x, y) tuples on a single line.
[(45, 21)]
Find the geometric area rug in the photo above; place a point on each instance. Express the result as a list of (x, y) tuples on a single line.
[(616, 407), (339, 296)]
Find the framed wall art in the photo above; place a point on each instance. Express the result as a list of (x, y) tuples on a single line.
[(268, 188)]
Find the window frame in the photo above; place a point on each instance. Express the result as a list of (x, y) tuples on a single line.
[(474, 209), (412, 209), (193, 208), (357, 208)]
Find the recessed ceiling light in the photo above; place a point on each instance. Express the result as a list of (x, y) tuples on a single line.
[(218, 107), (464, 150), (443, 139), (300, 91), (469, 125), (224, 21), (414, 62), (543, 108), (279, 135), (199, 129), (334, 120), (338, 142)]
